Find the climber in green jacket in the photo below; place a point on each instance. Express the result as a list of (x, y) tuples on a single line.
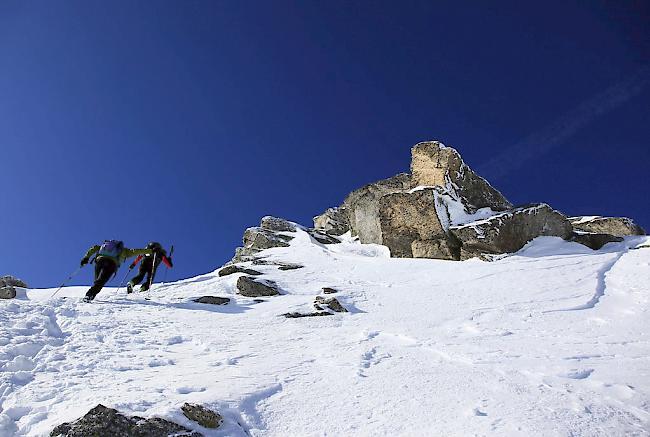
[(110, 255)]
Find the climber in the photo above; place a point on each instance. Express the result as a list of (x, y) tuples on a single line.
[(149, 266), (108, 259)]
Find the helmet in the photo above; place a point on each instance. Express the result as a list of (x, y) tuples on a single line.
[(154, 245)]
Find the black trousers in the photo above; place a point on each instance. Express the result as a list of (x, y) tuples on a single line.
[(105, 268), (146, 268)]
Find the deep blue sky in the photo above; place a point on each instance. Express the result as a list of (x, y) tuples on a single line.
[(186, 122)]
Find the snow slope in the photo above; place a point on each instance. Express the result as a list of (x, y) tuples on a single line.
[(551, 341)]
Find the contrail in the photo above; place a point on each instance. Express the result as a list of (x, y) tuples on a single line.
[(541, 142)]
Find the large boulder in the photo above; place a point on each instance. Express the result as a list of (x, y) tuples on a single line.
[(103, 421), (414, 224), (617, 226), (434, 164), (509, 231), (362, 206)]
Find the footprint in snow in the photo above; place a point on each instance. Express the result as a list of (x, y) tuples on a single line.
[(187, 390), (160, 362), (177, 339), (577, 374)]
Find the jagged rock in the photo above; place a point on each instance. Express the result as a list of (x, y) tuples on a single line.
[(269, 234), (296, 315), (201, 415), (212, 300), (233, 268), (329, 290), (102, 421), (415, 217), (433, 164), (511, 230), (322, 237), (249, 287), (332, 303), (276, 224), (281, 265), (616, 226), (7, 293), (362, 206), (10, 281), (334, 221), (594, 241)]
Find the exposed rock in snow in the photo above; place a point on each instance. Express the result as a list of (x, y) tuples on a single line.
[(102, 421), (594, 241), (617, 226), (202, 415), (8, 285), (509, 231), (234, 268), (434, 164), (329, 290), (212, 300), (297, 315), (272, 232), (334, 221), (331, 303), (250, 287)]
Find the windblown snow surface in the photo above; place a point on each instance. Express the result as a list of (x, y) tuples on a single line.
[(551, 341)]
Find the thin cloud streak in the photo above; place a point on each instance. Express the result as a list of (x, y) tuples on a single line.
[(541, 142)]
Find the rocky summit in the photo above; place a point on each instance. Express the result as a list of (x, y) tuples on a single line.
[(441, 209)]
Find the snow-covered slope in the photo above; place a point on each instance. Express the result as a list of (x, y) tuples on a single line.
[(553, 340)]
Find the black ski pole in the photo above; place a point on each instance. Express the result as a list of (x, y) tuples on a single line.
[(123, 279), (72, 275)]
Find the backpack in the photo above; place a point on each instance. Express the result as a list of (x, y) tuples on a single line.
[(111, 249)]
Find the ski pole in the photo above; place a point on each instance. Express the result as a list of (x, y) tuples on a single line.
[(123, 279), (72, 275)]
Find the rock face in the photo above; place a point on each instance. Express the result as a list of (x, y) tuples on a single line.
[(433, 164), (362, 206), (102, 421), (201, 415), (595, 241), (511, 230), (411, 225), (616, 226), (334, 221), (8, 286), (250, 287)]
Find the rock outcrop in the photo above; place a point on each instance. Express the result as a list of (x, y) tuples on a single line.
[(434, 164), (8, 285), (212, 300), (250, 287), (616, 226), (509, 231), (234, 268), (202, 415), (103, 421), (441, 210), (330, 303), (594, 241)]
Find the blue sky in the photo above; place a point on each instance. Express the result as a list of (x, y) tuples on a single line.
[(186, 122)]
